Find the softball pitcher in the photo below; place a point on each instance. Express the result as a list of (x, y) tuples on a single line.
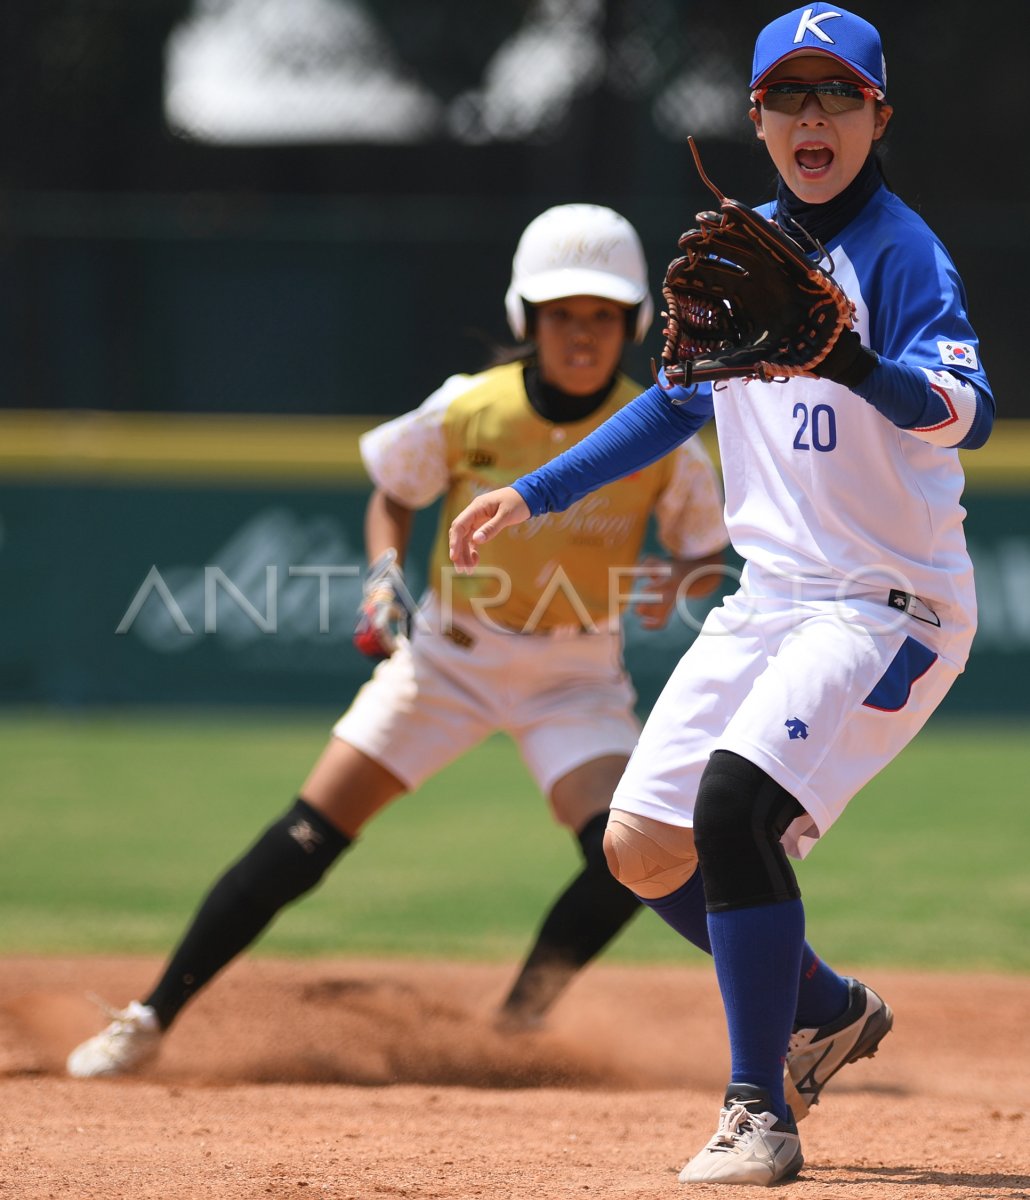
[(856, 609), (532, 646)]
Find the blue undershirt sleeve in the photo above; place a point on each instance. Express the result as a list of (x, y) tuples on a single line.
[(638, 434), (904, 396)]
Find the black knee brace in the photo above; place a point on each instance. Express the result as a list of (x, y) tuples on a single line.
[(286, 861), (289, 858), (739, 817)]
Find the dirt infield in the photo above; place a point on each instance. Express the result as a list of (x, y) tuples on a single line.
[(357, 1079)]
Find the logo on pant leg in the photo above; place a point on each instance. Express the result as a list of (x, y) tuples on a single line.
[(796, 728)]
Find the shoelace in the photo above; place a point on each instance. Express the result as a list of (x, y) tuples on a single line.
[(116, 1015), (734, 1122)]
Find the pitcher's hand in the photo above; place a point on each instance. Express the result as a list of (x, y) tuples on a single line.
[(482, 520)]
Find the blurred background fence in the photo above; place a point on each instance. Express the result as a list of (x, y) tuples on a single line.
[(233, 233)]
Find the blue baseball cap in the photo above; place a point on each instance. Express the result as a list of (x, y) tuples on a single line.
[(821, 29)]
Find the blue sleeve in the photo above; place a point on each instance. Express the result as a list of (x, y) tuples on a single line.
[(918, 305), (637, 435), (903, 395)]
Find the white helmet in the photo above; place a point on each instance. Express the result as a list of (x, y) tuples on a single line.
[(578, 250)]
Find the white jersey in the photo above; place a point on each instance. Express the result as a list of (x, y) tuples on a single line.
[(825, 497), (823, 489), (834, 507), (821, 525)]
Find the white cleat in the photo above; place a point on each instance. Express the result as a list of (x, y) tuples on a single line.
[(130, 1042), (752, 1145), (814, 1056)]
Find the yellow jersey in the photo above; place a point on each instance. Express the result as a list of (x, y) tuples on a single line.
[(562, 570)]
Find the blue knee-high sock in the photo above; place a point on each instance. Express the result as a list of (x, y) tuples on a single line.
[(757, 953), (684, 911), (822, 993)]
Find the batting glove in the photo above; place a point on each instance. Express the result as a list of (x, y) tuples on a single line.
[(386, 609)]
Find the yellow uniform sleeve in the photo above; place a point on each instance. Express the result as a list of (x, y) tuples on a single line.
[(689, 512), (407, 457)]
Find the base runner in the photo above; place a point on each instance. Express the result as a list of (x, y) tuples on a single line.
[(531, 646)]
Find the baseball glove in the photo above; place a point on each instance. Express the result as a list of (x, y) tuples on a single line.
[(746, 301), (386, 609)]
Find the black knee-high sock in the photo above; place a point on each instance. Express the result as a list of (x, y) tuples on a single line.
[(286, 861), (582, 921)]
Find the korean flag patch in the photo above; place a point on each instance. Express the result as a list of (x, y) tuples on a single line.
[(957, 354)]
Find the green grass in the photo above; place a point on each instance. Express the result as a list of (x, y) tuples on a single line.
[(114, 824)]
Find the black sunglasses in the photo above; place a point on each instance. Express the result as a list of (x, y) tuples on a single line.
[(834, 95)]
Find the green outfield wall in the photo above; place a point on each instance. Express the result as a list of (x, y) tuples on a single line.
[(175, 560)]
